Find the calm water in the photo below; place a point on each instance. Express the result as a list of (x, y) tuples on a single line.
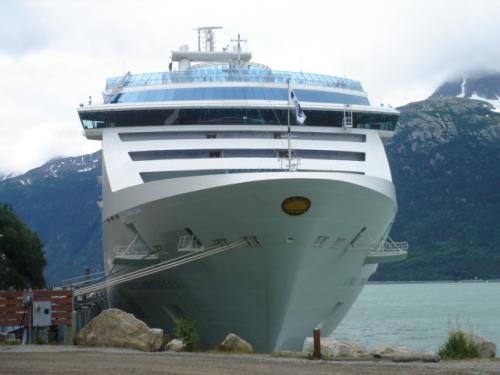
[(418, 316)]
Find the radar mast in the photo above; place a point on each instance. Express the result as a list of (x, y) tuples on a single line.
[(206, 52), (206, 36)]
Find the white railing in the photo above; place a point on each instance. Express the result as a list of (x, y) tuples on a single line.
[(124, 251), (391, 246), (389, 252), (189, 243)]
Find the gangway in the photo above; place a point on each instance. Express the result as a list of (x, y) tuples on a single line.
[(85, 280)]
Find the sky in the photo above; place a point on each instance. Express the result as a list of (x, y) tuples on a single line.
[(55, 53)]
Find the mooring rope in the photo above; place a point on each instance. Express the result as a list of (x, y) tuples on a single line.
[(168, 264)]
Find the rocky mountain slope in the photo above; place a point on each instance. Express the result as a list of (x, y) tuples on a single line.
[(58, 202), (445, 162), (480, 85)]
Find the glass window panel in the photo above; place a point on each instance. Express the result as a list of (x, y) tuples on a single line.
[(156, 95), (177, 94), (216, 93), (276, 94), (133, 97)]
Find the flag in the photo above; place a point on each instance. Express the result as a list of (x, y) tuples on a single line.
[(299, 113)]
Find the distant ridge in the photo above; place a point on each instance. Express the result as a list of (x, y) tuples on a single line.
[(58, 201), (479, 85), (444, 161)]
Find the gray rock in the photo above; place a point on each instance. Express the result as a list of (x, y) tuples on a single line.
[(487, 349), (380, 350), (234, 343), (176, 345), (334, 348), (401, 354), (116, 328), (155, 339)]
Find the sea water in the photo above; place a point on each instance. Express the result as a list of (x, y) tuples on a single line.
[(418, 316)]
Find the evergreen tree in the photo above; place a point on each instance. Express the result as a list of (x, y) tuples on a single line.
[(21, 255)]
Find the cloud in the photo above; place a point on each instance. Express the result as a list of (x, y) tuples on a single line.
[(46, 141), (21, 31), (54, 54)]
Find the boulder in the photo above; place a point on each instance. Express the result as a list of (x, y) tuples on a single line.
[(176, 345), (116, 328), (487, 349), (155, 339), (379, 350), (334, 348), (234, 343), (401, 354)]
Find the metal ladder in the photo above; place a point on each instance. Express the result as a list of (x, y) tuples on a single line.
[(347, 121), (114, 93)]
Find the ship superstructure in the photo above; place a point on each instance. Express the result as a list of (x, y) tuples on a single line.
[(211, 156)]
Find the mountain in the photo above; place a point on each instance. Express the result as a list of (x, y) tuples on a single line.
[(21, 256), (6, 176), (58, 202), (480, 85), (444, 159)]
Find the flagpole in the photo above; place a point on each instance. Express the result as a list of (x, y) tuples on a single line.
[(288, 106), (289, 133)]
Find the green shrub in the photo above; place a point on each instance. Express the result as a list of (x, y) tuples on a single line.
[(39, 341), (184, 329), (458, 346)]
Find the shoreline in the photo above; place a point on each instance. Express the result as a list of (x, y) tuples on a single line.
[(472, 281)]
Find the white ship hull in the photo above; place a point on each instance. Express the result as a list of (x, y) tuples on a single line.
[(273, 295), (211, 152)]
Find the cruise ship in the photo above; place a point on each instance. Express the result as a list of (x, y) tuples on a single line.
[(226, 201)]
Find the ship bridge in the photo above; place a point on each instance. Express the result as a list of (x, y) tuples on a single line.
[(226, 88), (231, 94)]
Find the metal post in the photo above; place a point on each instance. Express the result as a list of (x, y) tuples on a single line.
[(30, 322), (317, 344), (289, 130)]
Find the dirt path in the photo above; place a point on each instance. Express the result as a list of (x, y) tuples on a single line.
[(41, 360)]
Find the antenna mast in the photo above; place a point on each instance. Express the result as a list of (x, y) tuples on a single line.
[(238, 44), (206, 37)]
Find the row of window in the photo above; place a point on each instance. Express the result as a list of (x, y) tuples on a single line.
[(165, 175), (231, 73), (234, 93), (231, 116), (234, 134), (246, 153)]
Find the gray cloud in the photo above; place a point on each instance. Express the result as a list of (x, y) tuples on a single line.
[(53, 54), (21, 31)]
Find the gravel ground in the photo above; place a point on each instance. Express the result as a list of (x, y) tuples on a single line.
[(56, 360)]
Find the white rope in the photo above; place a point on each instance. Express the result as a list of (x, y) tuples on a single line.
[(146, 271)]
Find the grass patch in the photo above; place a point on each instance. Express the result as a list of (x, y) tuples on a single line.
[(185, 330), (459, 346), (8, 342)]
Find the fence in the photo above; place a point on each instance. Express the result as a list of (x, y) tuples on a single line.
[(15, 313)]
